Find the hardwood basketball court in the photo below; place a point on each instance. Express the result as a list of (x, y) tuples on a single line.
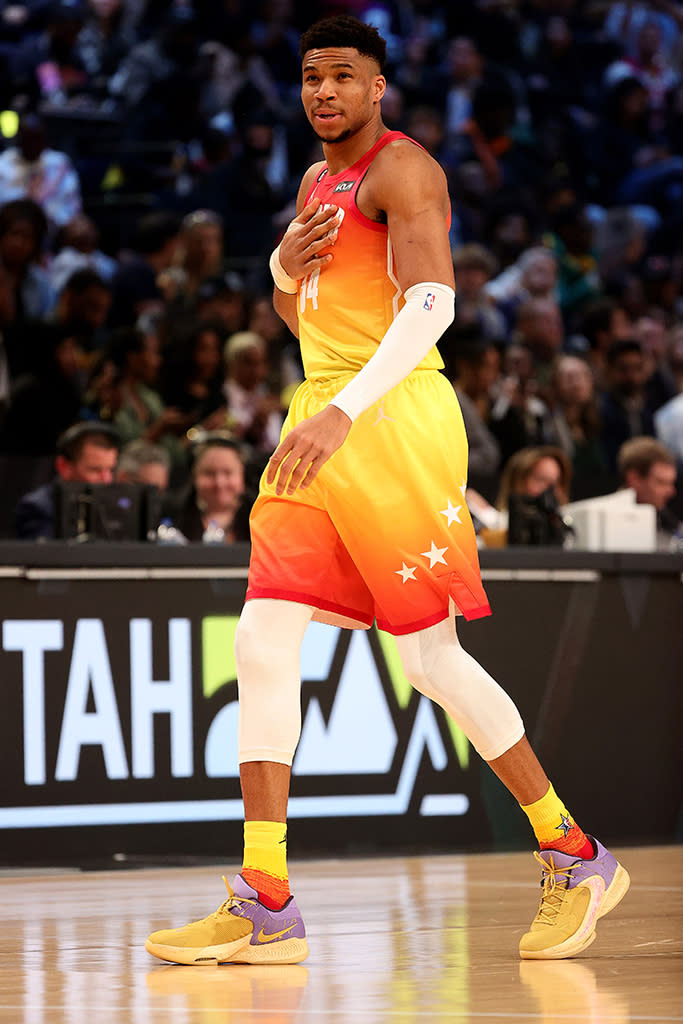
[(421, 939)]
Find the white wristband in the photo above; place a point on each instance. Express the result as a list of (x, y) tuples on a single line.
[(282, 279), (428, 310)]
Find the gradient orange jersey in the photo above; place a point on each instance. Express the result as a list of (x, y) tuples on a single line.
[(346, 308)]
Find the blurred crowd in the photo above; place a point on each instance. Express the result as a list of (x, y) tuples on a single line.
[(150, 157)]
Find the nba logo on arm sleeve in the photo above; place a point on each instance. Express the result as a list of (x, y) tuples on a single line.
[(429, 301)]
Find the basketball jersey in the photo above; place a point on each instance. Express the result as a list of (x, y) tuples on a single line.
[(345, 308)]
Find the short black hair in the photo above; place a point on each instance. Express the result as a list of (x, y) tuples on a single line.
[(26, 210), (622, 347), (154, 230), (81, 280), (343, 30)]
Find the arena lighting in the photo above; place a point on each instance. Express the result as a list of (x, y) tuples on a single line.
[(9, 123)]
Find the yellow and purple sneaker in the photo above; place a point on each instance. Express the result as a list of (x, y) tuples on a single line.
[(241, 931), (574, 894)]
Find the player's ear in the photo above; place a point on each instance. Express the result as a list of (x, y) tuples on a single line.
[(380, 87)]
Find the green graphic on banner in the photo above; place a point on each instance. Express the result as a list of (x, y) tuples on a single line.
[(218, 652)]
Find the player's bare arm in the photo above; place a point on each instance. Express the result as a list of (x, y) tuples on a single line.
[(407, 188)]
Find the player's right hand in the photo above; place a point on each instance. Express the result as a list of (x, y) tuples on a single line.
[(314, 230)]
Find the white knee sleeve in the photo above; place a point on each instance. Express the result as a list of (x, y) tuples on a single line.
[(436, 665), (267, 644)]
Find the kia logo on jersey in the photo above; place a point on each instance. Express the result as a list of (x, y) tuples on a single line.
[(344, 186)]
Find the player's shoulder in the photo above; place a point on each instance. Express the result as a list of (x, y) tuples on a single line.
[(307, 182), (406, 156)]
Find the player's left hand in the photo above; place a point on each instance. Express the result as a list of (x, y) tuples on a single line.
[(300, 455)]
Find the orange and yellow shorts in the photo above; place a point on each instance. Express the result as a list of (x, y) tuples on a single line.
[(383, 532)]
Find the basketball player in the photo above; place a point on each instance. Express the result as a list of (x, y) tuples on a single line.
[(361, 514)]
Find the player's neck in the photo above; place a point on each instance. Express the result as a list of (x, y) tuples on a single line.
[(340, 155)]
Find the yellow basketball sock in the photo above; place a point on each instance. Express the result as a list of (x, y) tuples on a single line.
[(555, 828), (264, 866)]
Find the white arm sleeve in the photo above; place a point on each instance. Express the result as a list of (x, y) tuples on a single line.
[(428, 311)]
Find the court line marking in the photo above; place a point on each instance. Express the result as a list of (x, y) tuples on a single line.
[(302, 1012)]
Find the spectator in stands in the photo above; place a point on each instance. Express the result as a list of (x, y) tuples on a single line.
[(253, 412), (23, 227), (192, 376), (532, 276), (539, 328), (200, 252), (31, 170), (46, 67), (143, 463), (652, 334), (86, 453), (518, 417), (648, 467), (571, 242), (574, 423), (602, 322), (531, 471), (474, 265), (106, 38), (624, 410), (134, 286), (82, 309), (650, 66), (76, 248), (47, 400), (284, 355), (222, 300), (465, 68), (216, 492), (142, 414), (477, 368)]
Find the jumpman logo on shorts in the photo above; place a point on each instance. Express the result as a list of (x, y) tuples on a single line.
[(381, 415)]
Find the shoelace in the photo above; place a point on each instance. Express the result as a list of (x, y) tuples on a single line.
[(232, 900), (553, 890)]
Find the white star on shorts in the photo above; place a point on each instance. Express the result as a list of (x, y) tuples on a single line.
[(407, 572), (451, 513), (434, 555)]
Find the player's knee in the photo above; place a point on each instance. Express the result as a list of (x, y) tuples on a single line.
[(412, 663), (253, 656)]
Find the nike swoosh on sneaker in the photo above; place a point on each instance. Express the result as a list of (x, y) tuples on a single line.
[(263, 937)]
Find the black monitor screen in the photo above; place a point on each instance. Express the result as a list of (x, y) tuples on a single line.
[(114, 511)]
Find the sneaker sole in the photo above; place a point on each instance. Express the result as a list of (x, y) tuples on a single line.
[(584, 936), (194, 957), (289, 951)]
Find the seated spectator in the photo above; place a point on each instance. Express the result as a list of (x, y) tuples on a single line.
[(531, 471), (31, 170), (571, 242), (539, 328), (82, 308), (143, 463), (624, 409), (222, 299), (253, 413), (135, 288), (86, 453), (574, 423), (477, 368), (44, 402), (284, 354), (46, 66), (474, 266), (105, 39), (532, 276), (518, 417), (142, 414), (200, 251), (648, 467), (602, 322), (660, 385), (192, 377), (76, 248), (22, 232), (215, 494)]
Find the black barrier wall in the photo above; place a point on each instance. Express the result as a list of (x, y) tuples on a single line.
[(119, 724)]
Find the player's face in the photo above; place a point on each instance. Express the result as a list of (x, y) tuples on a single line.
[(341, 91)]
